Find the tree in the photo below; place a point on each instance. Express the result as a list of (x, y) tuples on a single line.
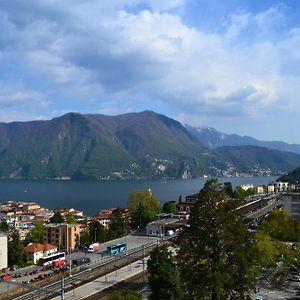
[(279, 226), (16, 254), (117, 225), (97, 231), (70, 218), (85, 237), (240, 193), (169, 207), (266, 249), (35, 235), (125, 295), (228, 189), (143, 207), (164, 277), (217, 253), (4, 226), (57, 218)]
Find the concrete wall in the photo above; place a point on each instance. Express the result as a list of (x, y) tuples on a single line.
[(3, 251)]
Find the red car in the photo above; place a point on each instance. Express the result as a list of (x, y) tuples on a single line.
[(6, 276)]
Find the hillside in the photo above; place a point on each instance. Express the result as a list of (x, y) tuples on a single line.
[(212, 138), (142, 145), (293, 177), (254, 158)]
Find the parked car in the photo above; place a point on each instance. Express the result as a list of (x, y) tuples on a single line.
[(80, 261), (6, 276), (295, 278)]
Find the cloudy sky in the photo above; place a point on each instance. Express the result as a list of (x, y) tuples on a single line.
[(233, 65)]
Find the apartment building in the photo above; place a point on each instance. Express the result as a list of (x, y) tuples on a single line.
[(291, 203), (65, 236)]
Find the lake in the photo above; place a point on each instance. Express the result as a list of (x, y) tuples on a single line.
[(92, 196)]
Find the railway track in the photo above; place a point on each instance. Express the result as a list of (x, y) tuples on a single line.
[(136, 283), (88, 274)]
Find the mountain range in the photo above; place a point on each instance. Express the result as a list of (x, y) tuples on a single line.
[(212, 138), (142, 145)]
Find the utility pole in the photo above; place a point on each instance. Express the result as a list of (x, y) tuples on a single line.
[(144, 264), (62, 295), (70, 263)]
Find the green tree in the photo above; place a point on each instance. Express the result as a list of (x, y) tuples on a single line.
[(70, 218), (85, 237), (164, 277), (169, 207), (297, 229), (266, 249), (228, 189), (279, 226), (16, 254), (217, 253), (125, 295), (36, 234), (143, 207), (117, 225), (97, 231), (57, 218), (240, 193), (4, 226)]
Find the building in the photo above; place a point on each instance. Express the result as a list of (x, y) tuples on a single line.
[(36, 251), (247, 186), (270, 188), (281, 186), (65, 236), (105, 216), (161, 227), (260, 189), (3, 251), (291, 203), (185, 207)]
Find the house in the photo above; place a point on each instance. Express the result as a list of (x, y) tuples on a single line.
[(185, 207), (36, 251)]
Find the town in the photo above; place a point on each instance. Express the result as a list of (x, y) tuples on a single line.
[(36, 243)]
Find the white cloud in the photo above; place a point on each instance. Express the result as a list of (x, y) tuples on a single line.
[(102, 50)]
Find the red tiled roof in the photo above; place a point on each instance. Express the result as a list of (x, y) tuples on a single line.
[(35, 247)]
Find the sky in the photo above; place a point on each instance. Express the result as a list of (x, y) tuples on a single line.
[(229, 64)]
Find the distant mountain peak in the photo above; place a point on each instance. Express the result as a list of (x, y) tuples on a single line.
[(212, 138)]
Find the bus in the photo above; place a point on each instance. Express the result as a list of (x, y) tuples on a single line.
[(59, 257), (117, 248)]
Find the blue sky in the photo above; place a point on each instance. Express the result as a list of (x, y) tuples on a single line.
[(233, 65)]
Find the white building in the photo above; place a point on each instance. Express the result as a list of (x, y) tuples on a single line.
[(247, 186), (291, 203), (281, 186), (3, 251), (36, 251)]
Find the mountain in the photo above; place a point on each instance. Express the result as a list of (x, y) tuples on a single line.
[(212, 138), (293, 177), (253, 159), (142, 145)]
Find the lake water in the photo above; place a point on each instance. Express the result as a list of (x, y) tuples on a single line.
[(92, 196)]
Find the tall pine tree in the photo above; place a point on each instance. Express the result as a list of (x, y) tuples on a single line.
[(217, 253)]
